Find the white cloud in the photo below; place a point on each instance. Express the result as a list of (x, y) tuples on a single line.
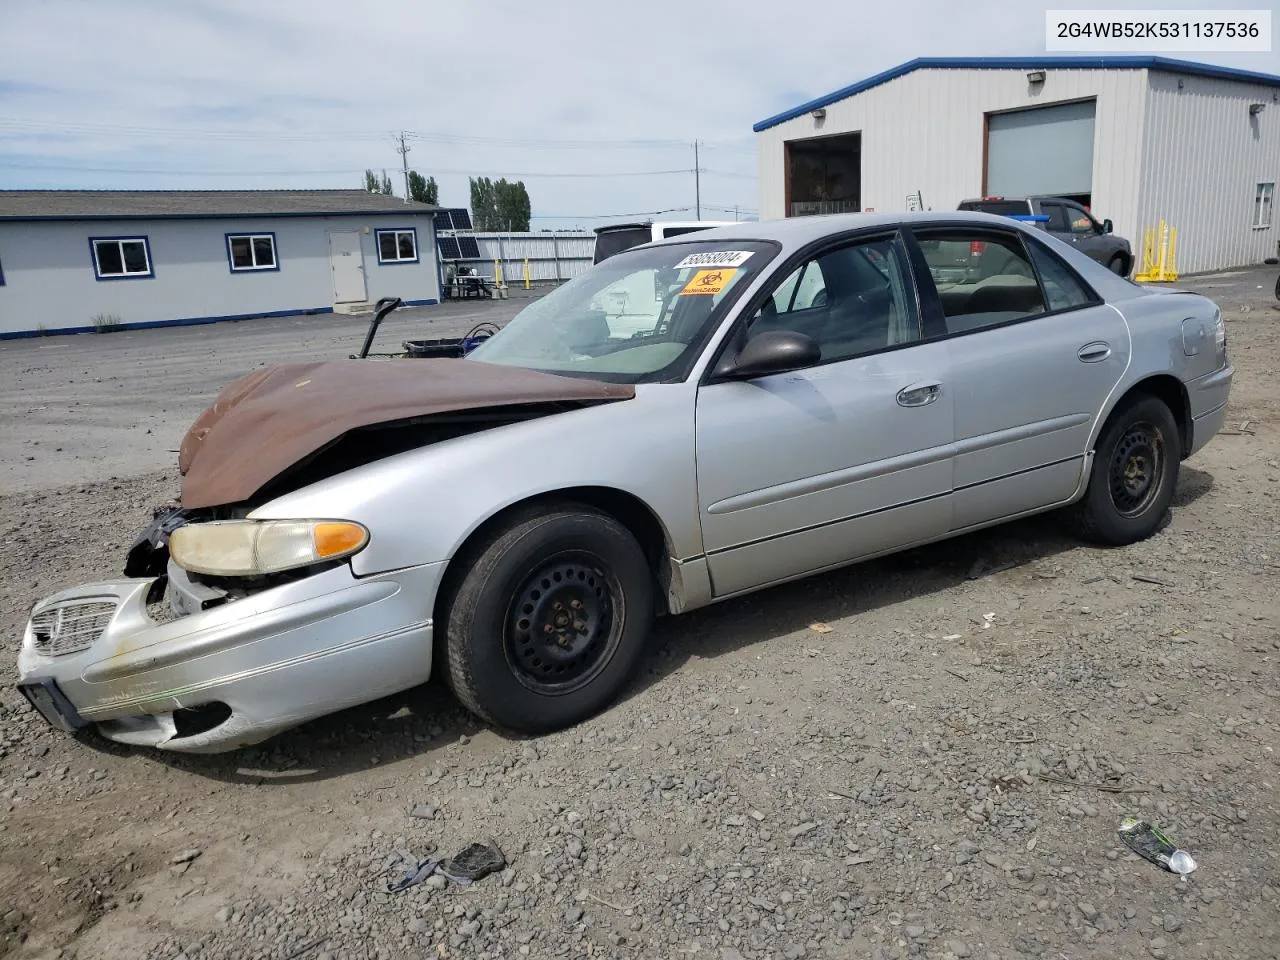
[(154, 83)]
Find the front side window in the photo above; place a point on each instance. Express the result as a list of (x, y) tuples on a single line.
[(1263, 201), (117, 258), (982, 279), (851, 301), (397, 246), (1081, 223), (252, 251), (641, 316)]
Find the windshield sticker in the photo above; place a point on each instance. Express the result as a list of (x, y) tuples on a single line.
[(716, 258), (707, 282)]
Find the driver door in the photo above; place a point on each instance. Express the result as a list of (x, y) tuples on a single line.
[(822, 466)]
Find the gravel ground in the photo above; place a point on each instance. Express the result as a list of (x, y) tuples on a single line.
[(924, 756)]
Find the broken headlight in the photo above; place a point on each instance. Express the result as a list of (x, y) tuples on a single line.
[(249, 548)]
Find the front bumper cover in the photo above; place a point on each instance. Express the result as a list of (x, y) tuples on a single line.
[(273, 659)]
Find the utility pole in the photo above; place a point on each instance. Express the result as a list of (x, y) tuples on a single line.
[(402, 148), (735, 213), (697, 181)]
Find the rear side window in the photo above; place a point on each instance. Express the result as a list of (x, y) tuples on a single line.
[(1063, 289), (1057, 215), (982, 279)]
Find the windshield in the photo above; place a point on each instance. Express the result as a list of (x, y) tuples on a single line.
[(639, 317)]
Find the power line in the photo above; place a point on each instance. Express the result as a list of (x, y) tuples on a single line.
[(334, 172), (22, 123)]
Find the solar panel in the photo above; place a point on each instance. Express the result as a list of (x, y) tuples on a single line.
[(448, 248), (461, 219), (470, 248), (442, 220)]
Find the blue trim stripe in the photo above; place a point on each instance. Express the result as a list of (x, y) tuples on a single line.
[(187, 321), (1164, 64)]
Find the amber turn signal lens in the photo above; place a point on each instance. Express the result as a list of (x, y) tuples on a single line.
[(338, 539)]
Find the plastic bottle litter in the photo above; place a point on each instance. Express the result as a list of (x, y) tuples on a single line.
[(1151, 844)]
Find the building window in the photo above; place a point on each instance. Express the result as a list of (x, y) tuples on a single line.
[(1263, 200), (121, 258), (251, 251), (398, 246)]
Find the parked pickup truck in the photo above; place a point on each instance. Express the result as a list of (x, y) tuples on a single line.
[(1068, 221)]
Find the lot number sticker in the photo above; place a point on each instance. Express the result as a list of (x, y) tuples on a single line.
[(707, 282), (716, 258)]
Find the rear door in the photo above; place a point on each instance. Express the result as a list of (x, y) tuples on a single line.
[(1034, 354), (1057, 224)]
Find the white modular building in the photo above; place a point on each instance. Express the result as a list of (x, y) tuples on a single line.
[(1142, 141)]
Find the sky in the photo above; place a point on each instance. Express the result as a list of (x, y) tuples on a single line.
[(594, 104)]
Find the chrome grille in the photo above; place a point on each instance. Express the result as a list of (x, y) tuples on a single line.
[(72, 626)]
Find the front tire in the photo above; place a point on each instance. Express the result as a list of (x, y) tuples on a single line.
[(1119, 265), (1134, 473), (549, 619)]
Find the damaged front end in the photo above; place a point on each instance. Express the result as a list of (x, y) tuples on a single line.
[(200, 664), (219, 648)]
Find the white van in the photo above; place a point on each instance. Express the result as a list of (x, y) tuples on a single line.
[(617, 237)]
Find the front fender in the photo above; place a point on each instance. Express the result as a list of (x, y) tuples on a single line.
[(420, 506)]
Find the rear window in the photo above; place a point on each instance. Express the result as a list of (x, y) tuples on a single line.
[(612, 242), (1002, 208)]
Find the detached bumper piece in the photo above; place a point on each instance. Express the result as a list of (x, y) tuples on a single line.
[(154, 661)]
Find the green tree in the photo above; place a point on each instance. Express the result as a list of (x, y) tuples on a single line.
[(500, 205), (375, 184), (423, 189), (513, 207), (483, 211)]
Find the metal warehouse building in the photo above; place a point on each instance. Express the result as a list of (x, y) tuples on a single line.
[(154, 258), (1139, 140)]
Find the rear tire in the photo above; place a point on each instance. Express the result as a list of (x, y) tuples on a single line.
[(549, 619), (1119, 265), (1134, 473)]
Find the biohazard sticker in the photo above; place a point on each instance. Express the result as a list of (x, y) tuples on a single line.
[(707, 282), (715, 258)]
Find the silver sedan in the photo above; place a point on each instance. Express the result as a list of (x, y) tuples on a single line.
[(689, 421)]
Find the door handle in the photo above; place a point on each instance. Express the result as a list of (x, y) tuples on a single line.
[(919, 394), (1094, 352)]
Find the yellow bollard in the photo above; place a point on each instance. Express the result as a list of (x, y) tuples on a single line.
[(497, 273), (526, 273)]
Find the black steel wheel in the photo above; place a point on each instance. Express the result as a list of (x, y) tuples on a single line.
[(543, 620), (1134, 472), (563, 623)]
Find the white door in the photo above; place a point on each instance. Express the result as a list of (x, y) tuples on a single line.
[(347, 262)]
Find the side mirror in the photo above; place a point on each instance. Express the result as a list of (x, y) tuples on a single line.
[(1107, 226), (774, 351)]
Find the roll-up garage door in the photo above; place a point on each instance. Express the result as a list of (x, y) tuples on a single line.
[(1044, 150)]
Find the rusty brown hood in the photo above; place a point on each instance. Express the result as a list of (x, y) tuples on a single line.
[(264, 423)]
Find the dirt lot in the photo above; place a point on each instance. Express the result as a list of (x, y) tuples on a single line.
[(940, 775)]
